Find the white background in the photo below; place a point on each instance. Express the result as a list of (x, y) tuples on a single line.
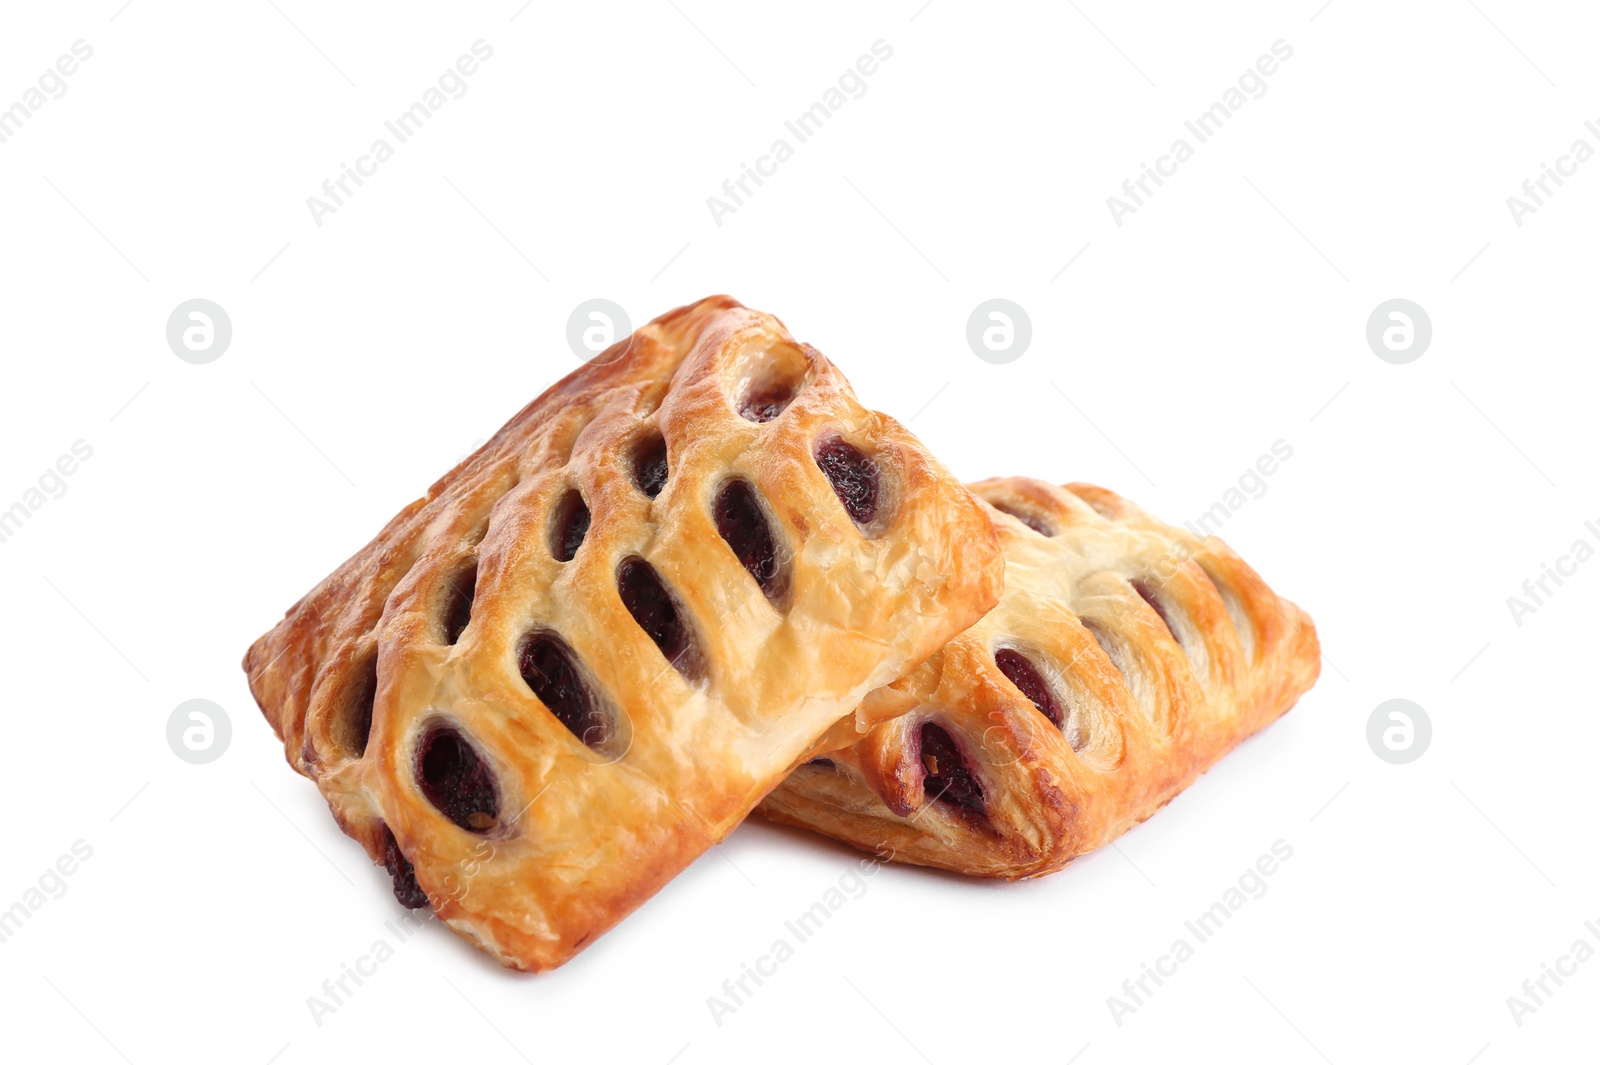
[(1229, 312)]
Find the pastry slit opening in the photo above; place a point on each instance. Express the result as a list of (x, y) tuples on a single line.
[(1157, 602), (353, 728), (770, 381), (650, 465), (1036, 522), (456, 778), (657, 613), (742, 522), (1022, 673), (569, 525), (551, 672), (854, 478), (459, 595), (765, 400), (1126, 664), (948, 779)]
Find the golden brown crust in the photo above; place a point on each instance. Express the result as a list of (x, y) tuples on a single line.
[(584, 834), (1145, 708)]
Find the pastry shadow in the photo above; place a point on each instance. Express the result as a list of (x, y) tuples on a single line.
[(825, 846)]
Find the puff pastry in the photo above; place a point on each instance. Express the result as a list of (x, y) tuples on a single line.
[(1125, 657), (587, 653)]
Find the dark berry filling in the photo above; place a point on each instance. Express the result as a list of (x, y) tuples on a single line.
[(1032, 521), (359, 709), (743, 524), (948, 779), (571, 522), (1149, 596), (766, 402), (1020, 671), (456, 779), (651, 605), (551, 670), (650, 466), (406, 891), (458, 609), (854, 478)]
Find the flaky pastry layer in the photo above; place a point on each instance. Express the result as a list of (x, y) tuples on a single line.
[(689, 650), (1124, 659)]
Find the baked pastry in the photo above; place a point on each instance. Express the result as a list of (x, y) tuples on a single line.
[(587, 653), (1125, 657)]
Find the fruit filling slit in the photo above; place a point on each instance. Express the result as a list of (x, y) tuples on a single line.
[(854, 478), (948, 778), (551, 671), (1021, 672), (458, 609), (743, 524), (650, 466), (456, 780), (570, 525), (652, 606), (1156, 603)]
